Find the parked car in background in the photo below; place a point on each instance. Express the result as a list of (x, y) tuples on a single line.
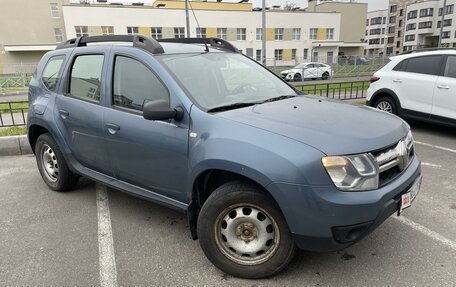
[(313, 70), (259, 169), (418, 85), (353, 60)]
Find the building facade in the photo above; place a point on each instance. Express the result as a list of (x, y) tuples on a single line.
[(27, 30), (376, 34), (411, 24)]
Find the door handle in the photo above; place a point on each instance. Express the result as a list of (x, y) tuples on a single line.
[(442, 87), (397, 80), (112, 128), (64, 114)]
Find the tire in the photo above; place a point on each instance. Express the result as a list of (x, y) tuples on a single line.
[(52, 164), (325, 76), (386, 104), (237, 214), (297, 78)]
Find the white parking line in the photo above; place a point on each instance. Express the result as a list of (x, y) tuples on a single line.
[(436, 146), (431, 165), (107, 261), (426, 231)]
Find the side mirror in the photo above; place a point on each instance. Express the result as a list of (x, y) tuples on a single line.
[(159, 110)]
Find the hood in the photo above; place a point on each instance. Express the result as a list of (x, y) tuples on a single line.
[(291, 71), (330, 126)]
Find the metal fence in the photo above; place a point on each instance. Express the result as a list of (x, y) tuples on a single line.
[(15, 75), (342, 66), (13, 114), (340, 91)]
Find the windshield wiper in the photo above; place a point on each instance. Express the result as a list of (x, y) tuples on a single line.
[(278, 98), (231, 107)]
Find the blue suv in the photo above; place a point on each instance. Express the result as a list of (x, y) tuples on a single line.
[(259, 169)]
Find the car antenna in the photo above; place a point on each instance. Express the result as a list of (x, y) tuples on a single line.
[(199, 28)]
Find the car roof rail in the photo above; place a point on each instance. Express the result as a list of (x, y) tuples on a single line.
[(142, 42), (426, 50), (214, 42)]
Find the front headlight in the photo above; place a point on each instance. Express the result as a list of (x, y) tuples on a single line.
[(352, 172)]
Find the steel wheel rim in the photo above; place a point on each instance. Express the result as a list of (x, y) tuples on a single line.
[(49, 163), (385, 106), (247, 234)]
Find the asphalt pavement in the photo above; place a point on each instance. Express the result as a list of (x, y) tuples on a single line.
[(50, 238)]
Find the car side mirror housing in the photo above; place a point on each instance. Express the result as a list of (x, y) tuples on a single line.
[(159, 110)]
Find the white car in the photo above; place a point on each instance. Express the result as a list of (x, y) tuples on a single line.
[(419, 85), (312, 70)]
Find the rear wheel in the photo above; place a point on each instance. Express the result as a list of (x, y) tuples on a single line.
[(242, 232), (386, 104), (52, 165), (325, 76)]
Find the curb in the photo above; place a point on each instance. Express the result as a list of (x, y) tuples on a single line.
[(13, 93), (14, 145)]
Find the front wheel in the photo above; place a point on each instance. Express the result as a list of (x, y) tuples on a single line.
[(297, 78), (242, 232)]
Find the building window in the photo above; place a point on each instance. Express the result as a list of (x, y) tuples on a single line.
[(375, 31), (241, 34), (258, 55), (278, 54), (390, 40), (398, 44), (376, 21), (313, 34), (384, 20), (58, 35), (179, 32), (259, 34), (383, 31), (412, 14), (201, 32), (107, 30), (383, 41), (409, 38), (427, 12), (278, 34), (81, 31), (400, 23), (374, 41), (408, 48), (449, 9), (306, 54), (393, 8), (425, 25), (399, 34), (156, 33), (367, 32), (330, 33), (446, 35), (293, 54), (221, 33), (296, 35), (411, 26), (392, 19), (55, 10), (391, 30), (132, 30), (401, 12), (367, 22)]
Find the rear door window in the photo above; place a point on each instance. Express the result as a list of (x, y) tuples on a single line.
[(450, 68), (50, 77), (429, 65), (134, 84), (85, 78)]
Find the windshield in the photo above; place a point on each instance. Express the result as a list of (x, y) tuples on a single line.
[(221, 79), (300, 66)]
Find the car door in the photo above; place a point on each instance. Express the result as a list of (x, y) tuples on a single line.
[(78, 112), (310, 71), (444, 101), (413, 83), (148, 154)]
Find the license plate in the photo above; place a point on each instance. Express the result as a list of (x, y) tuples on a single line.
[(407, 198)]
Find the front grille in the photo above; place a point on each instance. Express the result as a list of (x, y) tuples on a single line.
[(393, 160)]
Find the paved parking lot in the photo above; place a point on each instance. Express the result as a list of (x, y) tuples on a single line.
[(49, 238)]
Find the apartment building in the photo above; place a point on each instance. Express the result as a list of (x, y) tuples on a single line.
[(376, 34), (27, 30), (424, 21), (411, 24), (290, 35)]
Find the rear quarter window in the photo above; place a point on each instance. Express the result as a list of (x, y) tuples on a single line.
[(51, 72)]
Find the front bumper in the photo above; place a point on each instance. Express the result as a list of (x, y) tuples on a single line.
[(323, 218)]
